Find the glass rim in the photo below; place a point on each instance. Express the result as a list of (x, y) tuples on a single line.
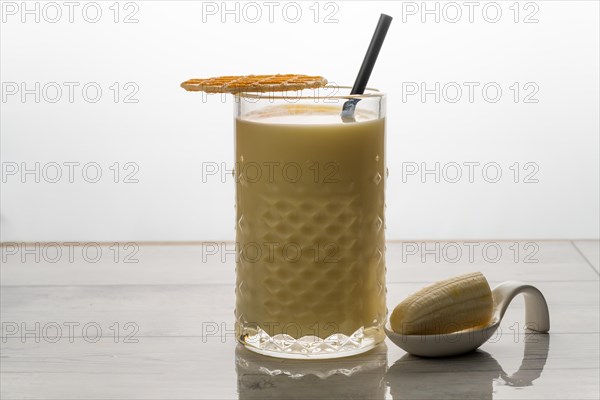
[(372, 93)]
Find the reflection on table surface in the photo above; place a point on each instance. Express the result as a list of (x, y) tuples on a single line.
[(470, 376), (358, 377), (366, 376)]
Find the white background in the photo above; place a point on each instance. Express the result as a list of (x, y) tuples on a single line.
[(170, 133)]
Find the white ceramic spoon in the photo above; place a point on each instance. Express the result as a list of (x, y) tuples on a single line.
[(537, 319)]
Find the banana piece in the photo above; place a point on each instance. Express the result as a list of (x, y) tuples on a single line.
[(447, 306)]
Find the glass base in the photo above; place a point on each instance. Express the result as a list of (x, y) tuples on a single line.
[(311, 347)]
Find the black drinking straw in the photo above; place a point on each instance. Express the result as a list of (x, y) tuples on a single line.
[(367, 66)]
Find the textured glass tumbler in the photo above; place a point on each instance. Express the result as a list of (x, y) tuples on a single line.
[(310, 200)]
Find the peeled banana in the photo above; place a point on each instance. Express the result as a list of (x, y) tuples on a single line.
[(447, 306)]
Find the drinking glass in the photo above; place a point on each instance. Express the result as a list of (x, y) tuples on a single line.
[(310, 201)]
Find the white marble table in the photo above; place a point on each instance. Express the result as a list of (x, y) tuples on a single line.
[(166, 324)]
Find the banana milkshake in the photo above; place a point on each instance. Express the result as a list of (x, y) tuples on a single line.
[(310, 227)]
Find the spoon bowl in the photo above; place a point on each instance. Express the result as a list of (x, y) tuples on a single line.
[(537, 319)]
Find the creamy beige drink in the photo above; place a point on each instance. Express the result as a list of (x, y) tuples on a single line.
[(310, 226)]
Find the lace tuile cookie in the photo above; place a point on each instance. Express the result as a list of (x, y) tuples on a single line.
[(254, 83)]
